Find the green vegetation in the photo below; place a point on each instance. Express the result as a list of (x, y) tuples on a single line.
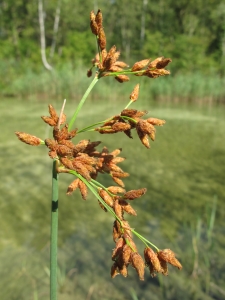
[(183, 172), (192, 33)]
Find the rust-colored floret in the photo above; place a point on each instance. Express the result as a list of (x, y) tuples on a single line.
[(27, 138)]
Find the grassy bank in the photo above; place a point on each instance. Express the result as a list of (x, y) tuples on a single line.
[(70, 81), (182, 210)]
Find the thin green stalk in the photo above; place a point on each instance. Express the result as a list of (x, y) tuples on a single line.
[(54, 234), (94, 81)]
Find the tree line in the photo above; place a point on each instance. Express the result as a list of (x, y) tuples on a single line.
[(191, 32)]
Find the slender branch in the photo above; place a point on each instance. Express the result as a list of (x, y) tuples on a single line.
[(95, 80)]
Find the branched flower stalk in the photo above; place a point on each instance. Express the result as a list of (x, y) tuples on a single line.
[(85, 162)]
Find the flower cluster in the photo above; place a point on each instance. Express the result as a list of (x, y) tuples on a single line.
[(108, 63)]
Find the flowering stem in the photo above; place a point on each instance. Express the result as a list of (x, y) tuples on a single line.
[(54, 234), (94, 81)]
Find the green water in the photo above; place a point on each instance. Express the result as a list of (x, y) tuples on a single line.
[(183, 209)]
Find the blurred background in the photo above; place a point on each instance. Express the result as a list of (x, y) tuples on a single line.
[(46, 50)]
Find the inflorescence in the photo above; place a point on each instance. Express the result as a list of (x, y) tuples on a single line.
[(85, 162)]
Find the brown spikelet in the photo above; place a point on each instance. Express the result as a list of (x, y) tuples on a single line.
[(53, 113), (126, 229), (51, 144), (106, 197), (169, 256), (67, 163), (28, 138), (72, 187), (163, 63), (83, 189), (120, 126), (116, 189), (63, 150), (135, 93), (126, 253), (118, 181), (152, 261), (118, 248), (164, 266), (156, 122), (101, 39), (154, 63), (130, 242), (122, 78), (127, 207), (114, 270), (99, 18), (144, 138), (94, 27), (140, 65), (133, 194), (138, 263), (116, 230), (81, 169), (118, 209), (49, 121), (92, 15), (121, 64)]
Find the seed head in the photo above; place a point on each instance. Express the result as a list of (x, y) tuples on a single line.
[(27, 138), (135, 93)]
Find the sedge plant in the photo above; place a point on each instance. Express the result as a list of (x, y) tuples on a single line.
[(84, 162)]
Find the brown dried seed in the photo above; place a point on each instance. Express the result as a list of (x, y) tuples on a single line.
[(126, 253), (27, 138), (81, 146), (169, 256), (101, 39), (122, 78), (118, 248), (92, 15), (119, 174), (152, 261), (53, 113), (155, 121), (129, 112), (130, 241), (63, 150), (118, 181), (118, 209), (81, 169), (94, 27), (127, 207), (67, 163), (155, 62), (83, 189), (106, 197), (135, 93), (164, 266), (133, 194), (72, 187), (163, 63), (114, 270), (121, 64), (49, 121), (99, 18), (116, 230), (116, 189), (140, 65), (144, 138), (121, 126), (145, 127), (138, 263)]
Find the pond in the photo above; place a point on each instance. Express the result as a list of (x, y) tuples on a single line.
[(183, 209)]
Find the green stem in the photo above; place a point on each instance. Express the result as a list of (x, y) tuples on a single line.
[(54, 234), (94, 81)]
